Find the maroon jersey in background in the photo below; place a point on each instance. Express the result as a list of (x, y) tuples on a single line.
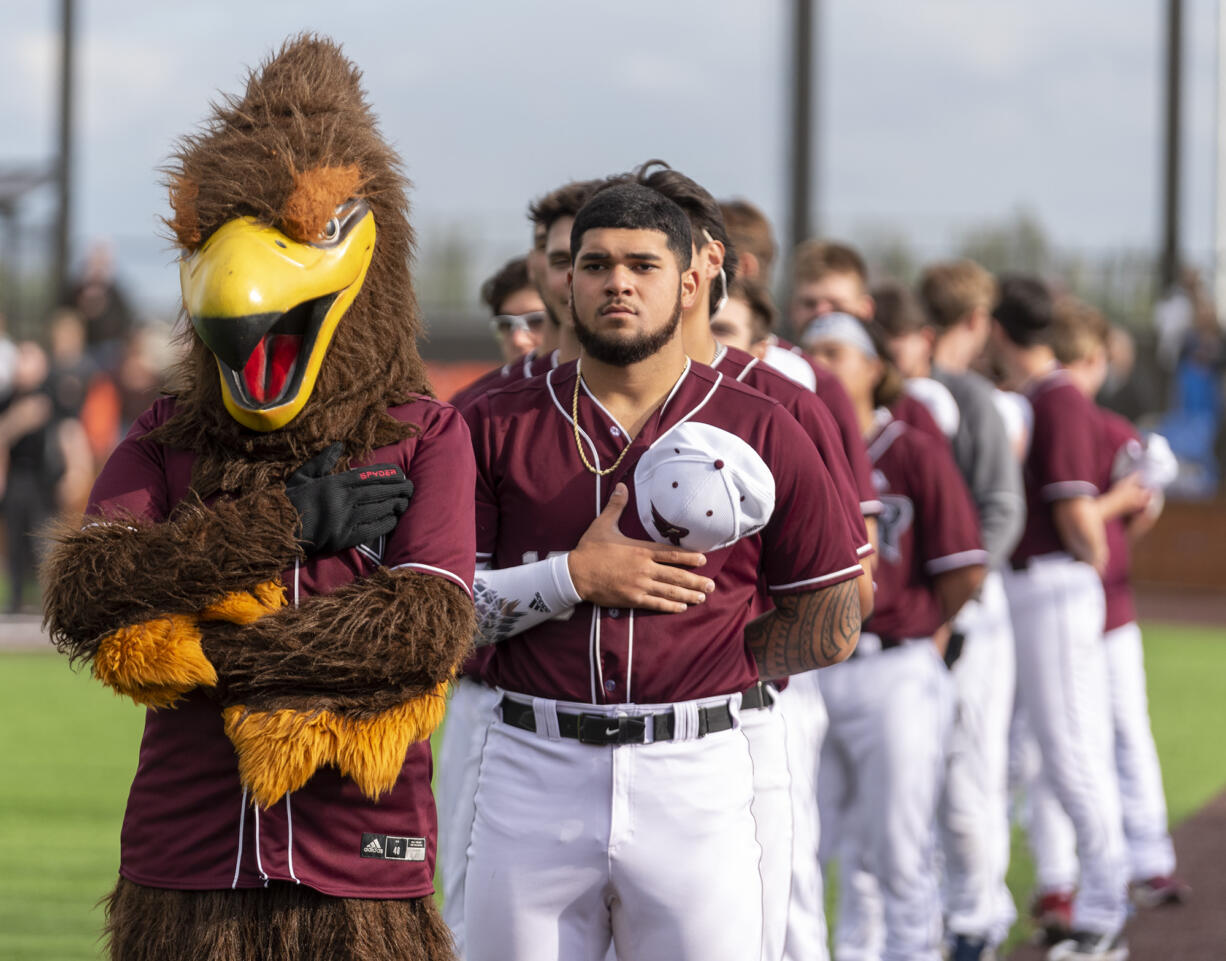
[(1061, 462), (1114, 434), (535, 496), (927, 526), (913, 413), (530, 365), (188, 824), (816, 420)]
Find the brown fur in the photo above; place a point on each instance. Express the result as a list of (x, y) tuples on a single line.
[(303, 110), (364, 648), (283, 922), (105, 576)]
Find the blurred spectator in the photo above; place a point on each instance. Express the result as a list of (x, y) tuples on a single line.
[(8, 359), (141, 376), (1194, 420), (745, 321), (518, 309), (34, 463), (103, 306)]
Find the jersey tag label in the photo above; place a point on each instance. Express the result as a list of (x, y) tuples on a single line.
[(388, 848)]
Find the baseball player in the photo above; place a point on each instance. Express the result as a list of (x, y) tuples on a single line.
[(518, 312), (548, 265), (784, 737), (472, 703), (1057, 607), (1131, 475), (891, 705), (613, 800), (957, 299)]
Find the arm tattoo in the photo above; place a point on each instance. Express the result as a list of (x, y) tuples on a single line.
[(806, 631), (495, 614)]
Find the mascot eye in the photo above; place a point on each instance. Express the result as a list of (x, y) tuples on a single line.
[(332, 230)]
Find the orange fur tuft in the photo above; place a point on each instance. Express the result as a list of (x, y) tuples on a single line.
[(278, 751), (316, 195), (154, 662), (247, 607)]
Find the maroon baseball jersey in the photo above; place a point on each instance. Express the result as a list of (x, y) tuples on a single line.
[(927, 526), (913, 413), (1061, 462), (1115, 433), (830, 391), (189, 824), (535, 497), (530, 365), (816, 420)]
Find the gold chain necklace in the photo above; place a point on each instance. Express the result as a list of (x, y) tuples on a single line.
[(574, 420)]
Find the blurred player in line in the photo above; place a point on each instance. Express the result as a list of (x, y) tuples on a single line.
[(1132, 472), (1056, 602), (519, 314), (891, 705), (548, 264), (957, 300)]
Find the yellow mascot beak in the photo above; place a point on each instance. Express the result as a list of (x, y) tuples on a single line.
[(267, 307)]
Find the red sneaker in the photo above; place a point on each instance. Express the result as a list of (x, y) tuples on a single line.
[(1052, 912), (1159, 890)]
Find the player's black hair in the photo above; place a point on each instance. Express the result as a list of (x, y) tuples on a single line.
[(629, 206), (702, 209), (1024, 310), (511, 278)]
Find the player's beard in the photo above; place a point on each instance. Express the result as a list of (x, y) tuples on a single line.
[(617, 352)]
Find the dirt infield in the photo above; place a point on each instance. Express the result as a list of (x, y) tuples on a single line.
[(1195, 931)]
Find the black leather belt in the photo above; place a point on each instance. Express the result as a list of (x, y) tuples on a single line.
[(610, 729)]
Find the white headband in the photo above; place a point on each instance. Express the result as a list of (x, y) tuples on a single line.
[(841, 327)]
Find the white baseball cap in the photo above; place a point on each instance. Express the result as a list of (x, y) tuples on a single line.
[(702, 488)]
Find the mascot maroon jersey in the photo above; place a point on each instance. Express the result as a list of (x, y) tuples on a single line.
[(927, 526), (529, 468), (1115, 434), (188, 824), (852, 478)]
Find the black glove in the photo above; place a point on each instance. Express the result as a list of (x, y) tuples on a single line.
[(343, 510)]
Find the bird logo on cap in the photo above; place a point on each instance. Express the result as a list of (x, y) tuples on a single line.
[(668, 530)]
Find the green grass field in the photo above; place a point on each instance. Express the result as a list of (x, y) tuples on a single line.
[(68, 749)]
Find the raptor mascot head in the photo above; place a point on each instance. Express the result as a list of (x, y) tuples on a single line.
[(290, 212)]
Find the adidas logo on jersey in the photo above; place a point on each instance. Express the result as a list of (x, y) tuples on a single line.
[(386, 847)]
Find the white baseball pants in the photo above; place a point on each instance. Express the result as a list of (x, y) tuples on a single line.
[(650, 846), (1146, 834), (1057, 605), (1147, 840), (469, 715), (881, 772), (772, 814), (974, 812), (805, 721)]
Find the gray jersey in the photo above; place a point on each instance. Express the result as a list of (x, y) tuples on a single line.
[(981, 449)]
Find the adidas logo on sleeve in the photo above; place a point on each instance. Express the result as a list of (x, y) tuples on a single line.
[(385, 847)]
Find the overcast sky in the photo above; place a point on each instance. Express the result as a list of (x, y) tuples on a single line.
[(935, 115)]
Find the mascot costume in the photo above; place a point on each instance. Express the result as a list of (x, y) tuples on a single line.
[(277, 560)]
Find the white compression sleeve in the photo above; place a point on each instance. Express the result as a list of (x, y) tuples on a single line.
[(513, 599)]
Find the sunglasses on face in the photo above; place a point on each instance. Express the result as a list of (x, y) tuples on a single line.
[(505, 324)]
